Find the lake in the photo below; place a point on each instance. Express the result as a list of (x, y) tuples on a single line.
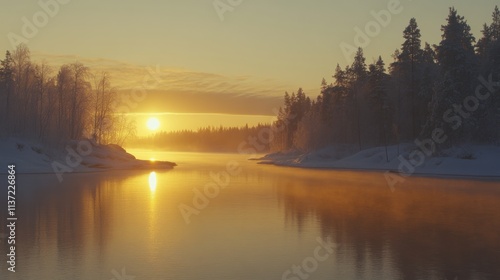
[(221, 216)]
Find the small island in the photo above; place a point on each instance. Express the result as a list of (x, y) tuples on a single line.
[(76, 157), (69, 120)]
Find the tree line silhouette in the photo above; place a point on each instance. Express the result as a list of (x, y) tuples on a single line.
[(53, 107), (208, 139), (451, 86)]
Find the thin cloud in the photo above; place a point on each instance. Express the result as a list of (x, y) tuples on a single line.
[(127, 76), (181, 90)]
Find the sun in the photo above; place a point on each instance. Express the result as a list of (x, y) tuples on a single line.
[(153, 123)]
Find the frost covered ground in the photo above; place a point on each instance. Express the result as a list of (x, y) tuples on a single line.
[(75, 156), (469, 161)]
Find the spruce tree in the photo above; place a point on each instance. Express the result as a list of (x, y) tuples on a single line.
[(6, 87), (357, 77), (409, 59), (456, 58)]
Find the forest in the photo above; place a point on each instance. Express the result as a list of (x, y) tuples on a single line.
[(52, 106), (450, 90), (208, 139)]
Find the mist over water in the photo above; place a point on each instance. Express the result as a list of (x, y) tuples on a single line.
[(265, 221)]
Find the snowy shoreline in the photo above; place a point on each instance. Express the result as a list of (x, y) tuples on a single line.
[(84, 156), (471, 161)]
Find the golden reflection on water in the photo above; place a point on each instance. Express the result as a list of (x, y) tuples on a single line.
[(153, 224), (260, 223), (152, 182), (427, 226)]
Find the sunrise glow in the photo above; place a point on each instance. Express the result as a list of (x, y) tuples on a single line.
[(232, 139), (153, 124)]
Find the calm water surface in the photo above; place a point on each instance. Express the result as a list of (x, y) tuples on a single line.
[(268, 219)]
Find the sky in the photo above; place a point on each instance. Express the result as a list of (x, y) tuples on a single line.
[(220, 57)]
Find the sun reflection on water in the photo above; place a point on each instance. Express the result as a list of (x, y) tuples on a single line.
[(152, 181)]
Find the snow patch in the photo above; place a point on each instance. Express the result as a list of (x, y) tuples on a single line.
[(470, 160), (33, 157)]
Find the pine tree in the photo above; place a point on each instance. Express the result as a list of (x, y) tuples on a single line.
[(325, 100), (358, 70), (295, 107), (409, 60), (6, 87), (357, 76), (456, 58), (428, 85), (455, 52), (488, 47), (495, 25), (378, 99), (429, 72), (484, 43), (411, 49), (428, 54)]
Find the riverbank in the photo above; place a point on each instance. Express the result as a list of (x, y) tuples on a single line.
[(465, 161), (75, 156)]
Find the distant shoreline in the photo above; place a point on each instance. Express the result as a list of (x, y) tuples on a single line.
[(452, 164)]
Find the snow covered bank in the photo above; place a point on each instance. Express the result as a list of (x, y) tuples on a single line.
[(469, 161), (76, 156)]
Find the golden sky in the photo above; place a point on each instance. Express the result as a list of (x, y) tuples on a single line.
[(215, 57)]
